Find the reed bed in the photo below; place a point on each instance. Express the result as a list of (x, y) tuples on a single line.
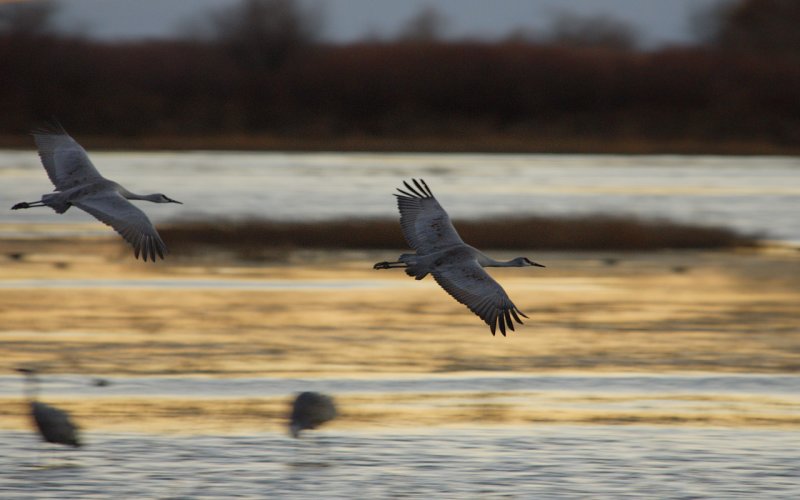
[(249, 237)]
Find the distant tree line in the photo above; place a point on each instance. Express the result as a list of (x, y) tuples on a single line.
[(260, 68)]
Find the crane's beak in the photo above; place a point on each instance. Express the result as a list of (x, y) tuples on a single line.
[(174, 201), (532, 263)]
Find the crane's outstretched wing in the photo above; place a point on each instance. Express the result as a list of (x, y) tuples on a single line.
[(66, 162), (470, 284), (426, 226), (130, 222)]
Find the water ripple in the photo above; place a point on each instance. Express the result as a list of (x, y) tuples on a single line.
[(545, 462)]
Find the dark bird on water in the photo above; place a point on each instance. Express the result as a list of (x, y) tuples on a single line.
[(53, 424), (456, 266), (79, 183), (309, 411)]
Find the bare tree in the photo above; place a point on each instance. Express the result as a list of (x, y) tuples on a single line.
[(427, 25), (759, 26), (575, 30), (263, 33), (27, 18), (705, 21)]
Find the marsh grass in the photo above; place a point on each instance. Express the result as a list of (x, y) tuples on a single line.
[(253, 237)]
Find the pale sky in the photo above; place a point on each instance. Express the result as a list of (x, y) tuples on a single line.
[(659, 22)]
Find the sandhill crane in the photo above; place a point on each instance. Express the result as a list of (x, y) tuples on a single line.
[(456, 266), (309, 411), (53, 424), (79, 183)]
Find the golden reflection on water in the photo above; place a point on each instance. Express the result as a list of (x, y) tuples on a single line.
[(657, 312), (721, 312), (199, 415)]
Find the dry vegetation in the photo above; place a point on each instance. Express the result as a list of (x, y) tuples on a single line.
[(258, 238)]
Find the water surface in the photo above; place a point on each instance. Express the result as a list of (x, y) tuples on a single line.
[(752, 194), (528, 462), (710, 384)]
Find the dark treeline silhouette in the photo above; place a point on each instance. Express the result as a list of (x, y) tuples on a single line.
[(252, 238), (511, 95), (764, 27)]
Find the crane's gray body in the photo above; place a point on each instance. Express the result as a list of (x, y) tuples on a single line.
[(54, 424), (78, 183), (456, 266), (310, 410)]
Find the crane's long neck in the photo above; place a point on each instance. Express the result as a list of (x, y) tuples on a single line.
[(133, 196), (489, 262), (31, 388), (508, 263)]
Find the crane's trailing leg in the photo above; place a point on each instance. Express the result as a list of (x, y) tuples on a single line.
[(56, 201), (409, 262), (28, 204), (389, 265)]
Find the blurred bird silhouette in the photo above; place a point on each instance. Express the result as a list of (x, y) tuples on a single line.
[(53, 424), (309, 411), (456, 266), (79, 183)]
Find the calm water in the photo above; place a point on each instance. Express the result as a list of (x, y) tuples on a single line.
[(752, 194), (530, 462)]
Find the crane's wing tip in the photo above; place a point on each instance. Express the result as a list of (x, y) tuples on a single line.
[(50, 126), (420, 189)]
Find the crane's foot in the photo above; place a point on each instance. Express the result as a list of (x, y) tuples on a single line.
[(389, 265), (23, 204)]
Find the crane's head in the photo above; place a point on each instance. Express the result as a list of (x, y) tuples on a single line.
[(524, 261), (162, 198), (31, 379)]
